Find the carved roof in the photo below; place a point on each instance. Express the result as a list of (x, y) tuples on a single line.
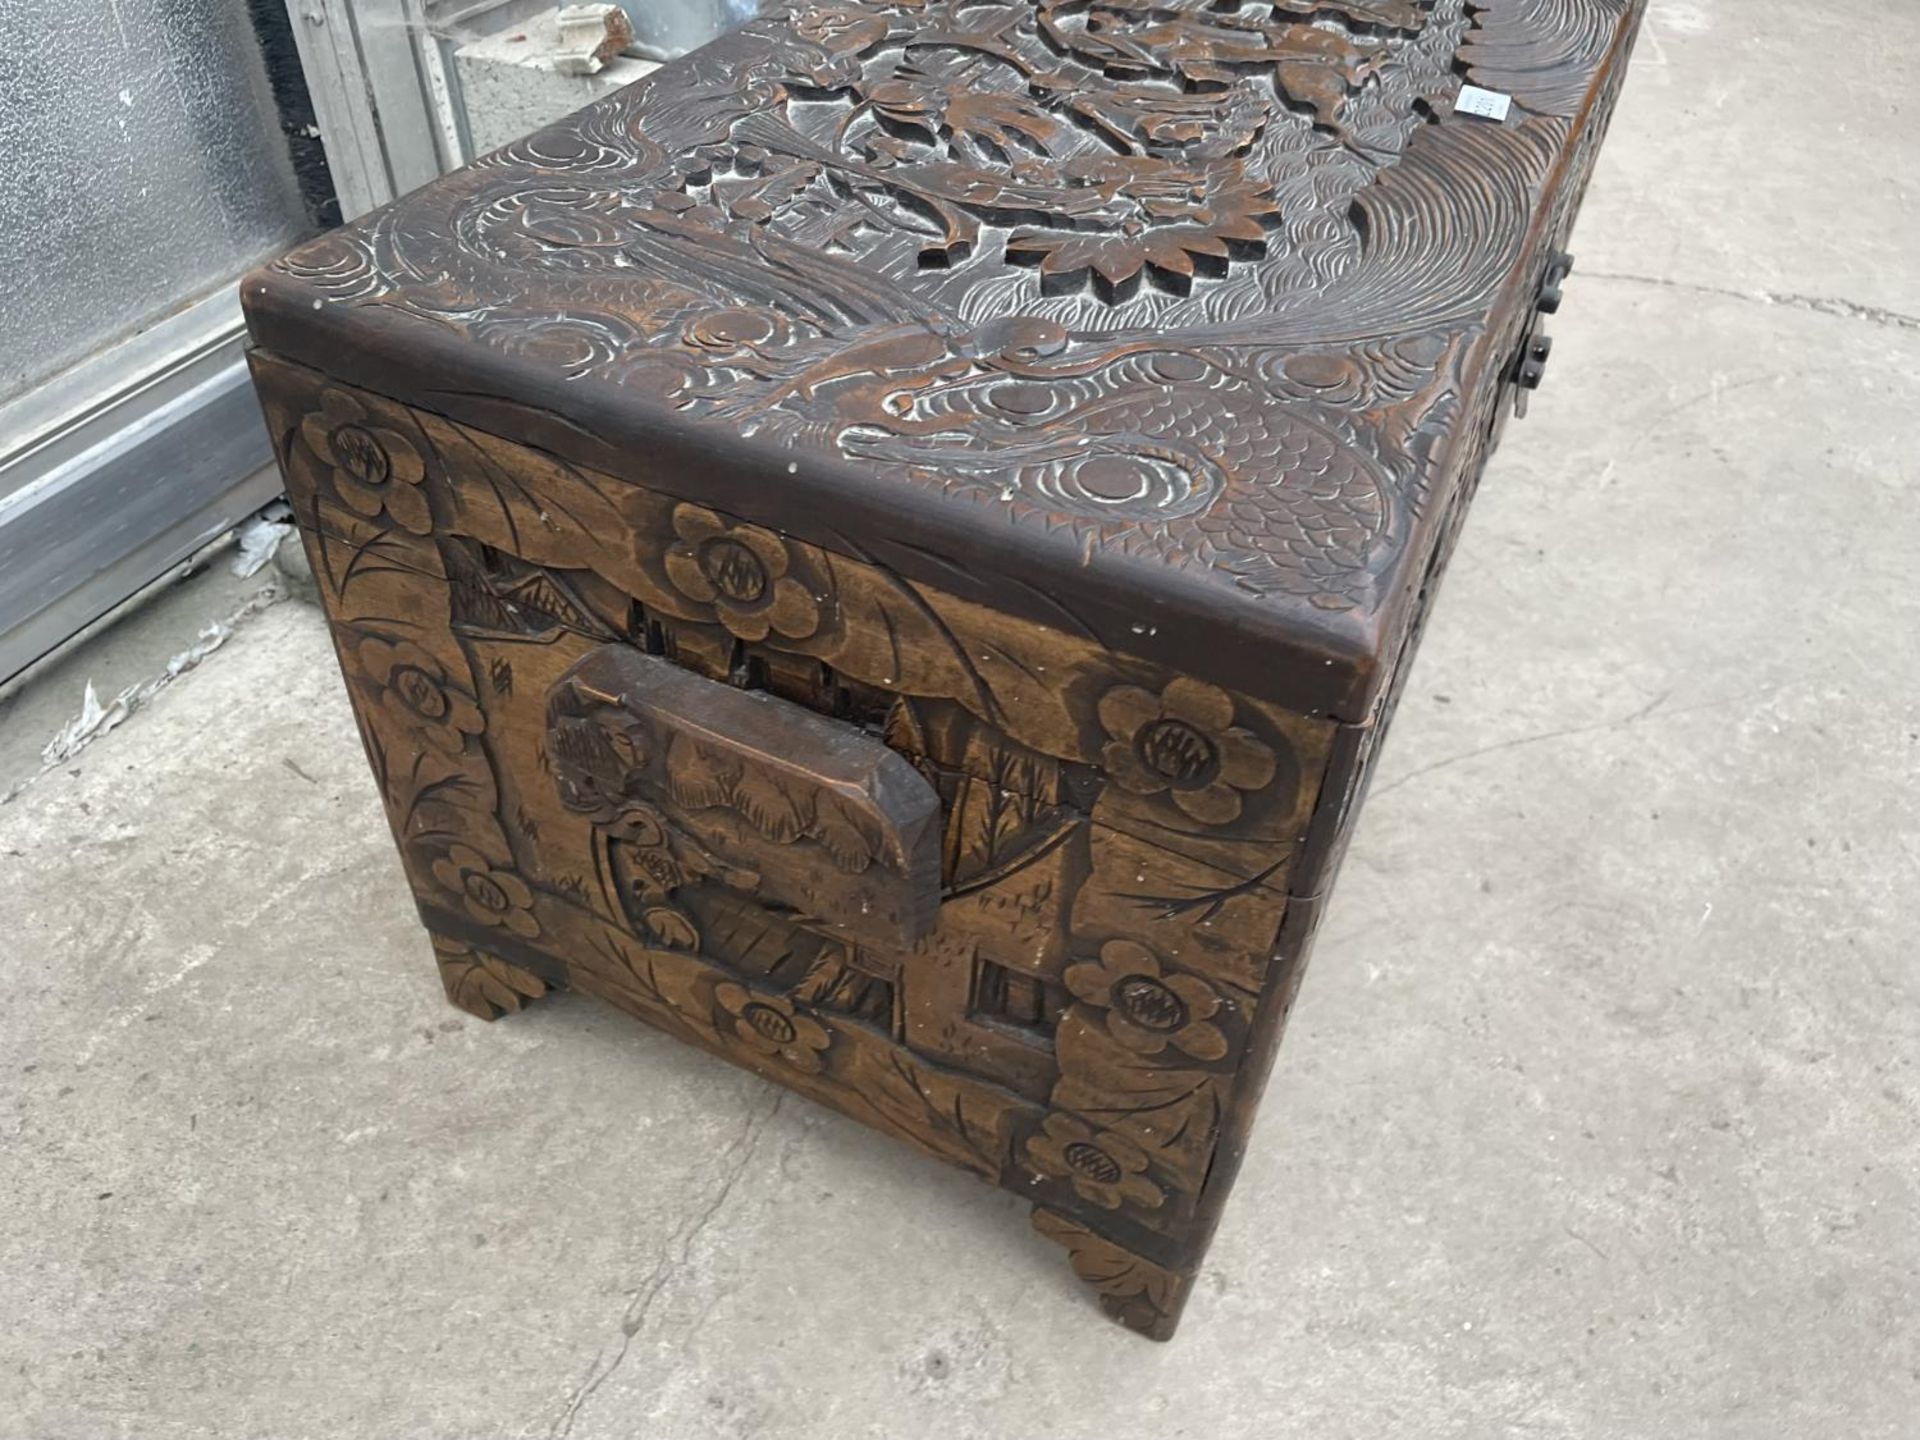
[(1202, 297)]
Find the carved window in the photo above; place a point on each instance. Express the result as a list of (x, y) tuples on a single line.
[(1024, 1002)]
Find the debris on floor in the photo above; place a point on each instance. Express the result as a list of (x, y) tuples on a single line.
[(260, 536), (96, 718)]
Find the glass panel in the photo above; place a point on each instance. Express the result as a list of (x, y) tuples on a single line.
[(144, 166)]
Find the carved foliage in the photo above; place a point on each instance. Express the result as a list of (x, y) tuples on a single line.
[(481, 984), (1135, 1291), (669, 838), (1196, 281)]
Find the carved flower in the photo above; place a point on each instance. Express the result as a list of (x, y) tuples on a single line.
[(1183, 740), (1175, 221), (494, 897), (416, 694), (1105, 1169), (770, 1024), (740, 570), (373, 467), (1146, 1008)]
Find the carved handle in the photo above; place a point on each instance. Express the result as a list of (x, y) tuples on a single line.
[(751, 791)]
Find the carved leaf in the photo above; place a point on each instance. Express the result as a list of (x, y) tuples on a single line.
[(1133, 1290), (770, 807), (848, 835), (534, 506), (665, 986), (367, 570), (487, 986), (749, 938), (698, 778), (940, 1114), (991, 829), (434, 802), (904, 730), (892, 634), (1103, 1264), (1005, 122), (1166, 1105), (1013, 767)]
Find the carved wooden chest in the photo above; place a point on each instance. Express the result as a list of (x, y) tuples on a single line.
[(886, 549)]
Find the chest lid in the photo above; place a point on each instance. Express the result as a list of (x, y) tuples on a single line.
[(1170, 323)]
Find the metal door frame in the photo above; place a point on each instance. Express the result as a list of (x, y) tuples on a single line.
[(130, 461), (121, 466), (378, 75)]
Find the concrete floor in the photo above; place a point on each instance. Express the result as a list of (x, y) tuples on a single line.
[(1598, 1115)]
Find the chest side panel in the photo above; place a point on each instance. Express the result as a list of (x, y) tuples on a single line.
[(1115, 843)]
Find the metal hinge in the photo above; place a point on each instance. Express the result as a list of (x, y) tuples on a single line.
[(1530, 365)]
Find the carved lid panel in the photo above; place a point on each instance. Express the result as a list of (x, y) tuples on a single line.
[(1162, 320)]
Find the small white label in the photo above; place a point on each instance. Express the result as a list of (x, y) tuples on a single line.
[(1487, 104)]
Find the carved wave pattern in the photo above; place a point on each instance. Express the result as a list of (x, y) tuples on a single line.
[(1196, 278)]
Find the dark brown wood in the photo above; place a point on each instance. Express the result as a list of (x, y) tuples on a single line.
[(886, 550), (1184, 309)]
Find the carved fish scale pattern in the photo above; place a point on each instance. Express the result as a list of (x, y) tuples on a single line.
[(1204, 282)]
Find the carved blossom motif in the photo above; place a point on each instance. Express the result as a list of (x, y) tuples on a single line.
[(491, 895), (372, 466), (1183, 742), (741, 572), (1212, 220), (771, 1025), (1104, 1167), (1146, 1008), (417, 694)]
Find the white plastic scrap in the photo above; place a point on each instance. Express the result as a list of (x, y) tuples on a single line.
[(95, 719), (259, 537)]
